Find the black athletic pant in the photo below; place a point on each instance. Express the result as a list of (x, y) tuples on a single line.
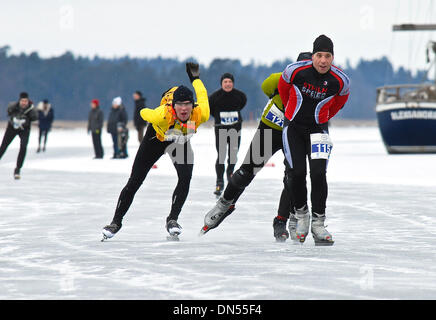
[(227, 140), (259, 152), (150, 150), (96, 141), (10, 134), (297, 147), (42, 133)]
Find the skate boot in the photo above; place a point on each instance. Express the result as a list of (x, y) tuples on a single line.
[(110, 230), (279, 226), (319, 232), (303, 222), (217, 214), (292, 226), (219, 189), (174, 229), (17, 175)]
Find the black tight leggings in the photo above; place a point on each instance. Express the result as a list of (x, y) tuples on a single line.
[(10, 134), (227, 138), (297, 147), (150, 150), (42, 133)]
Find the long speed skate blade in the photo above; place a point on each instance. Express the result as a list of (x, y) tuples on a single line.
[(324, 243), (173, 237), (282, 238)]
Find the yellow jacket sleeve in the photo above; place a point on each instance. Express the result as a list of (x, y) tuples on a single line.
[(269, 85), (153, 115), (202, 99)]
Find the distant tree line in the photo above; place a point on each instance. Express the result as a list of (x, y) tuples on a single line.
[(71, 82)]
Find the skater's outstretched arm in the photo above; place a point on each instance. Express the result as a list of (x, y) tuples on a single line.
[(193, 71), (202, 99)]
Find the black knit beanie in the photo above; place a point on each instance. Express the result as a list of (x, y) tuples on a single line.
[(323, 43), (183, 93), (24, 95), (227, 76)]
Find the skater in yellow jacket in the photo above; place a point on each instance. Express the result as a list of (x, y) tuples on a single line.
[(172, 124)]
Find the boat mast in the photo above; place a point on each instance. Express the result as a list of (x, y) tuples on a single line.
[(419, 27)]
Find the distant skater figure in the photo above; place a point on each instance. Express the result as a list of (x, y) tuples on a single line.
[(45, 117), (139, 123), (21, 114), (95, 124), (225, 106)]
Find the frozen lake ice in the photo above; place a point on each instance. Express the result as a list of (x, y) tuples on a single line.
[(380, 211)]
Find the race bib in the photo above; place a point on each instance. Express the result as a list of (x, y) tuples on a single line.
[(275, 115), (229, 118), (321, 146)]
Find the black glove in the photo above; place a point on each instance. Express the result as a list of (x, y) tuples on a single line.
[(193, 71)]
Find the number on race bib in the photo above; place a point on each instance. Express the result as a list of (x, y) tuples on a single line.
[(275, 115), (229, 118), (321, 146)]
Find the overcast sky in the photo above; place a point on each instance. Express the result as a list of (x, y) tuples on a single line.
[(253, 30)]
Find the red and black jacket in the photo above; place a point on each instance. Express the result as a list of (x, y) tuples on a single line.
[(310, 97)]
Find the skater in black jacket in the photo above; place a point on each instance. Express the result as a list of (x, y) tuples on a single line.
[(21, 114), (225, 106)]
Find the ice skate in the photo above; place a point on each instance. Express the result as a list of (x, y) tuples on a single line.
[(218, 190), (292, 226), (303, 222), (217, 214), (319, 232), (280, 232), (17, 175), (174, 229), (110, 230)]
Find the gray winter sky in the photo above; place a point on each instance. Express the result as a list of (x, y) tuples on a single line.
[(252, 30)]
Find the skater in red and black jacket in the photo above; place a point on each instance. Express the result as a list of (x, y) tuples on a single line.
[(312, 91)]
